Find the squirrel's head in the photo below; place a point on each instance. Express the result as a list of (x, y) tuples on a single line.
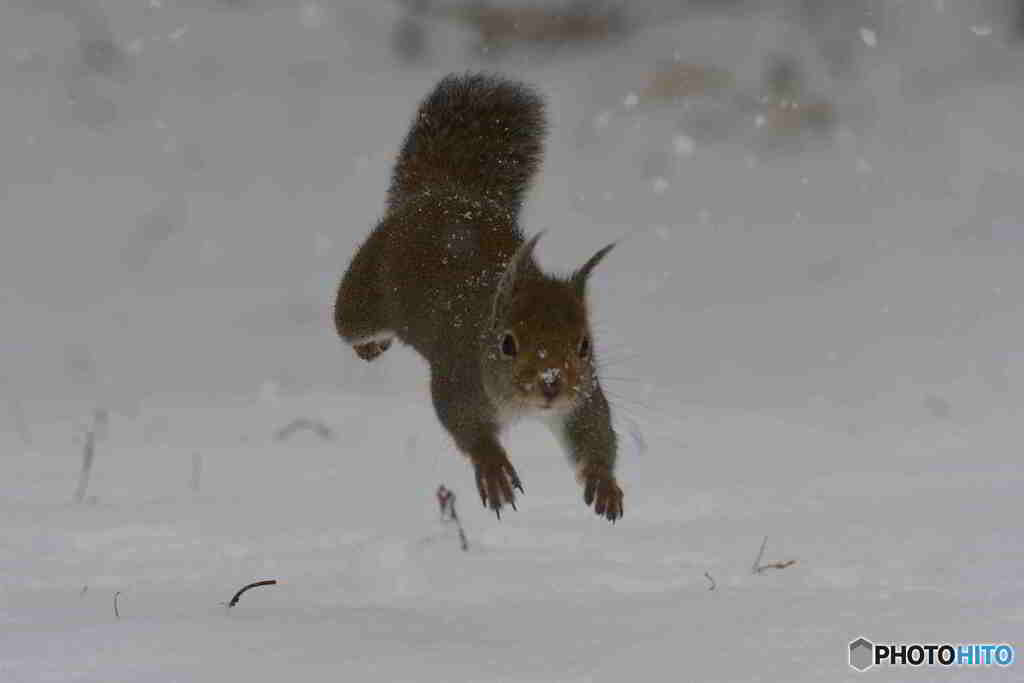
[(538, 350)]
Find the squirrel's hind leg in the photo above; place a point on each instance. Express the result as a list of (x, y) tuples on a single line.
[(369, 350), (359, 308)]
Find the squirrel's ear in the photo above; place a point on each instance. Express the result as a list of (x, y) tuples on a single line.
[(515, 271), (579, 278)]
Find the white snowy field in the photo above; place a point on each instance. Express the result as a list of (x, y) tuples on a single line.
[(911, 536), (817, 343)]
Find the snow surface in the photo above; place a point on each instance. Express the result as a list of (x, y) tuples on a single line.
[(818, 345)]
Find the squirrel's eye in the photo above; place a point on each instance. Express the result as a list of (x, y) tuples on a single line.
[(509, 348), (584, 347)]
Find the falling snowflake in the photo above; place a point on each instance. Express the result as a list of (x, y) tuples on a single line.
[(683, 145), (311, 16), (178, 34)]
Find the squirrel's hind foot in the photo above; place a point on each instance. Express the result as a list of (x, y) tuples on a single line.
[(369, 351)]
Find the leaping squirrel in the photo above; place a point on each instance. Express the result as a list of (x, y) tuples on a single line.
[(448, 271)]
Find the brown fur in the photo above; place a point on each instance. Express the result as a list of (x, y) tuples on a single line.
[(447, 271)]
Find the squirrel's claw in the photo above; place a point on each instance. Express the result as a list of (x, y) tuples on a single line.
[(495, 481), (602, 491)]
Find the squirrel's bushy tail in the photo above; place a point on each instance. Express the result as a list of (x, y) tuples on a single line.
[(476, 134)]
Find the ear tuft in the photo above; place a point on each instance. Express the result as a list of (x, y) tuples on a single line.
[(517, 269), (579, 278)]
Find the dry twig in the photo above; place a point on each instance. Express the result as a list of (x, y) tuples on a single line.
[(318, 427), (88, 454), (759, 568), (446, 502), (197, 472), (713, 585), (17, 410), (243, 589)]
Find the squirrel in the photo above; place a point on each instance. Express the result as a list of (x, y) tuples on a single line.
[(448, 271)]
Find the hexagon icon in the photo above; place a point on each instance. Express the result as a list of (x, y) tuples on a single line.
[(862, 654)]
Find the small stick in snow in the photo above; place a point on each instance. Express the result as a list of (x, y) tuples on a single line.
[(776, 565), (759, 568), (197, 471), (708, 576), (85, 588), (117, 613), (88, 454), (760, 554), (318, 427), (20, 423), (243, 589), (446, 501)]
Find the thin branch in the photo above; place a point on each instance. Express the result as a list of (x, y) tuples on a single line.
[(446, 501), (776, 565), (17, 410), (88, 454), (462, 533), (759, 568), (117, 613), (318, 427), (713, 585), (197, 472), (238, 595), (757, 560)]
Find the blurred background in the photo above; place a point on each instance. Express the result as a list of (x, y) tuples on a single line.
[(818, 200)]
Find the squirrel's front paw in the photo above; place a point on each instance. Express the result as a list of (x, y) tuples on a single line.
[(495, 480), (372, 349), (602, 491)]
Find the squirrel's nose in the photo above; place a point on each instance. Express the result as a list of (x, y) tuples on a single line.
[(550, 386)]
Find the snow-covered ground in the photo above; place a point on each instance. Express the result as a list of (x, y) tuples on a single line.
[(821, 346), (899, 536)]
